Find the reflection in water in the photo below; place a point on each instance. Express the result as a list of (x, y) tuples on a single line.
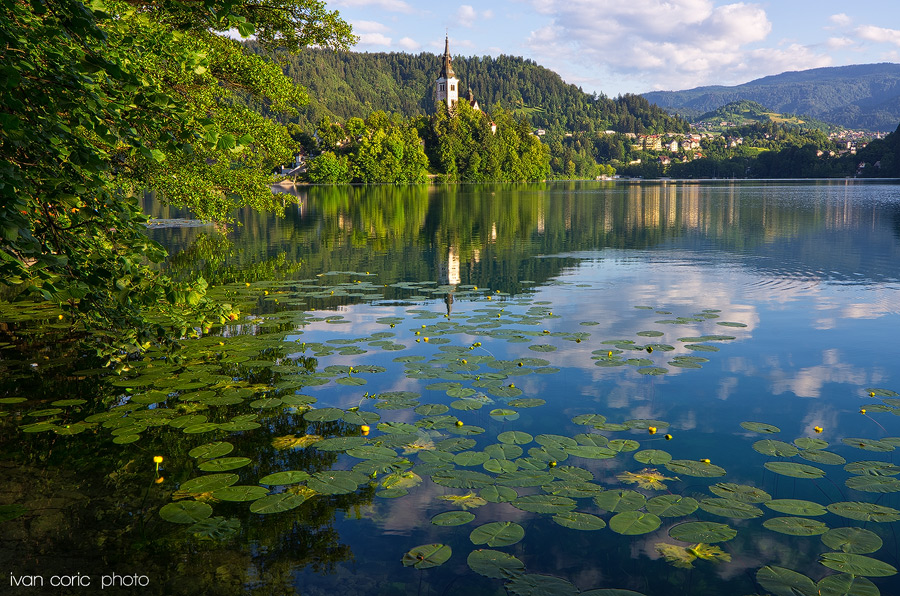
[(566, 274)]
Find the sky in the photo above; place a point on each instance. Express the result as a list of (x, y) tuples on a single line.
[(635, 46)]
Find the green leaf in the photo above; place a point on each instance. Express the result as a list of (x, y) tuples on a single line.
[(796, 526), (730, 508), (632, 523), (497, 534), (775, 448), (794, 470), (617, 501), (495, 564), (672, 505), (452, 518), (278, 503), (579, 521), (498, 494), (868, 444), (857, 564), (284, 478), (540, 585), (844, 584), (740, 492), (873, 484), (240, 493), (796, 507), (336, 482), (705, 532), (224, 463), (544, 503), (760, 427), (185, 512), (699, 469), (864, 511), (323, 415), (211, 450), (785, 582), (461, 478), (820, 456), (654, 457), (852, 540), (427, 555), (211, 482)]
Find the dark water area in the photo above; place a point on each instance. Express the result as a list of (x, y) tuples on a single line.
[(561, 388)]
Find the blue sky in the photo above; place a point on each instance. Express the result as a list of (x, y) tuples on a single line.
[(634, 46)]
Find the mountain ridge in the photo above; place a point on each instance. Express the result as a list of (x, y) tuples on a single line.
[(856, 96)]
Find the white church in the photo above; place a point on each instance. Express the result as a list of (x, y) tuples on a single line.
[(446, 87)]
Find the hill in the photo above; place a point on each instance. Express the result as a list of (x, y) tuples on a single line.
[(742, 113), (862, 96), (343, 85)]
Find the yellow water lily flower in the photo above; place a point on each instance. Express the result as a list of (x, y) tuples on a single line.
[(862, 410), (651, 430), (648, 478), (364, 429), (705, 461), (818, 429), (668, 437)]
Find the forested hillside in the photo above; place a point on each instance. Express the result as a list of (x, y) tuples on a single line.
[(862, 96), (344, 85), (740, 113)]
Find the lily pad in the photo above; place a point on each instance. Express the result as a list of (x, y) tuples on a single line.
[(278, 503), (852, 540), (864, 511), (794, 470), (284, 478), (515, 437), (810, 443), (579, 521), (461, 478), (775, 448), (796, 507), (211, 450), (618, 501), (868, 444), (533, 584), (874, 484), (240, 493), (427, 555), (185, 512), (730, 508), (498, 494), (224, 463), (672, 505), (857, 564), (699, 469), (452, 518), (740, 492), (336, 482), (705, 532), (875, 468), (323, 415), (844, 584), (211, 482), (497, 534), (761, 427), (632, 523), (495, 564), (796, 526), (820, 456), (544, 504), (785, 582), (431, 409), (656, 457)]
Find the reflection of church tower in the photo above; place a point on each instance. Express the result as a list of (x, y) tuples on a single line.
[(448, 274), (447, 85)]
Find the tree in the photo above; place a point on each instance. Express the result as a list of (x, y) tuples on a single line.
[(101, 102)]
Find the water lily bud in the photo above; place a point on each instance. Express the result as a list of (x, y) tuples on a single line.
[(705, 461), (552, 464), (459, 423), (818, 429), (651, 430), (668, 437), (862, 410), (364, 429)]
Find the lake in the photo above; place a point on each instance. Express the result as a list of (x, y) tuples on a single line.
[(606, 389)]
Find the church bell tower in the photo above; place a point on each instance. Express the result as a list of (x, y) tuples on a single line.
[(447, 85)]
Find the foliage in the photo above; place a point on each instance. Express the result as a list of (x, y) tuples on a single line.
[(101, 102)]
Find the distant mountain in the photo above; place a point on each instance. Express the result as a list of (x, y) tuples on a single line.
[(863, 96), (741, 113), (342, 85)]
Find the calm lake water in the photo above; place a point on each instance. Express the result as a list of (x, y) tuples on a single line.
[(569, 388)]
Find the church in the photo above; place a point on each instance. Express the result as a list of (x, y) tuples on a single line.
[(446, 87)]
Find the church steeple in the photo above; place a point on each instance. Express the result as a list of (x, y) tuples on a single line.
[(446, 87)]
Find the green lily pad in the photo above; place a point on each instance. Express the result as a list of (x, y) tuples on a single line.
[(672, 505), (590, 452), (579, 521), (498, 494), (323, 415), (857, 564), (467, 404), (794, 470), (211, 450), (533, 584), (705, 532), (730, 508), (336, 482), (652, 371), (495, 564), (503, 414), (589, 419), (820, 456), (632, 523), (785, 582), (284, 478), (868, 444), (497, 534), (456, 444), (775, 448), (796, 526), (796, 507), (461, 478), (503, 451), (611, 592), (864, 511), (240, 493), (740, 492), (526, 402), (211, 482), (427, 555), (431, 409), (542, 348), (873, 484), (618, 501), (215, 528), (277, 503), (500, 466), (470, 458), (656, 457), (576, 489), (810, 443), (875, 468), (699, 469), (852, 540), (544, 504), (844, 584), (224, 463), (185, 512), (452, 518), (623, 445), (761, 427), (515, 437), (340, 443)]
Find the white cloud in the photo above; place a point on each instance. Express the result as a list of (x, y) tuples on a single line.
[(369, 27), (374, 39), (388, 5), (672, 44), (408, 43), (466, 15), (840, 19), (879, 34), (837, 43)]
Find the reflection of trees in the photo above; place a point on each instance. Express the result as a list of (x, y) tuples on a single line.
[(406, 233)]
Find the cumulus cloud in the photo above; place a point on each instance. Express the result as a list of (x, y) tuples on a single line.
[(672, 43), (388, 5), (837, 43), (840, 19), (466, 15), (410, 44), (879, 34), (374, 39), (369, 27)]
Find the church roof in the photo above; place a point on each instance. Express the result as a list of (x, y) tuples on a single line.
[(446, 67)]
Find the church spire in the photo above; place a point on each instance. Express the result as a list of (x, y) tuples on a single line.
[(446, 67)]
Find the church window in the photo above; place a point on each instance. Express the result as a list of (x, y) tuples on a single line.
[(452, 87)]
